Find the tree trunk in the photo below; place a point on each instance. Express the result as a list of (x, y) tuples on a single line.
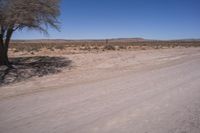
[(1, 55), (4, 57), (1, 47), (4, 49)]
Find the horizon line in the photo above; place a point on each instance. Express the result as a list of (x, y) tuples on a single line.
[(77, 39)]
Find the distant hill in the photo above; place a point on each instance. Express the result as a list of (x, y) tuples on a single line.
[(96, 40), (128, 39), (186, 40)]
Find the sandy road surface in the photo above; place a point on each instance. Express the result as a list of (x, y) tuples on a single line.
[(160, 95)]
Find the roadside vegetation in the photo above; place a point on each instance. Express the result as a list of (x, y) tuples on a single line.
[(78, 46)]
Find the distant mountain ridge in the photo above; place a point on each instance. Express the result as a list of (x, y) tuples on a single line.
[(91, 40)]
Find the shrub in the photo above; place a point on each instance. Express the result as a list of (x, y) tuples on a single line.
[(109, 47), (60, 47), (122, 47)]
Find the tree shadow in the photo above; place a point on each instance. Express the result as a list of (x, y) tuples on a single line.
[(28, 67)]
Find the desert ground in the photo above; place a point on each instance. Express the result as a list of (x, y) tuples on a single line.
[(125, 91)]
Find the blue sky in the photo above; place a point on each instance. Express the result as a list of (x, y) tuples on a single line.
[(99, 19)]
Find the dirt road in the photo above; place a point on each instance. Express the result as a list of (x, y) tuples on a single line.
[(160, 95)]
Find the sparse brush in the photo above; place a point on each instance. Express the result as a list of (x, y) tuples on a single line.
[(98, 45), (109, 47), (59, 47), (122, 47)]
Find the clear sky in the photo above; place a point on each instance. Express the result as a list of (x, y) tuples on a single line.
[(151, 19)]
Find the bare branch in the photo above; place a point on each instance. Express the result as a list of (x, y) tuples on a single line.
[(32, 14)]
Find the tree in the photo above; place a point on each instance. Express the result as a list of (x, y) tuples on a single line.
[(20, 14)]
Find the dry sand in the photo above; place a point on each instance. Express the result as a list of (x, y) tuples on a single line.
[(150, 91)]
